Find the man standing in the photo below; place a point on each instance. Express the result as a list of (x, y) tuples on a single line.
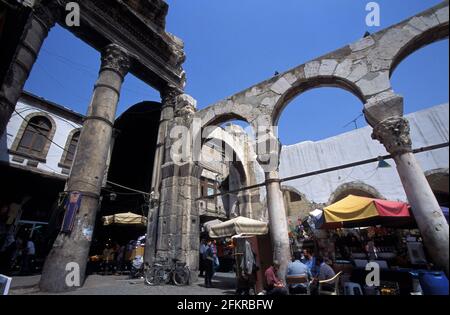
[(203, 248), (274, 285), (297, 268), (28, 257), (209, 264)]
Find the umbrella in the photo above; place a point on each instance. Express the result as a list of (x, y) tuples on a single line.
[(354, 211), (125, 219), (239, 225)]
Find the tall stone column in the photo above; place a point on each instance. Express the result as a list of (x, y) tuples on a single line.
[(88, 171), (278, 222), (394, 134), (38, 26), (269, 160), (178, 226), (168, 97)]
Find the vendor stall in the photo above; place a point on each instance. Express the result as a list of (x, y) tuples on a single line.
[(252, 250), (365, 230)]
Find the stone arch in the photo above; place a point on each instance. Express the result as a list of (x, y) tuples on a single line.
[(42, 156), (439, 184), (354, 188), (424, 38), (298, 207), (304, 85)]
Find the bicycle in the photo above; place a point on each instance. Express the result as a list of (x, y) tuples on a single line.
[(163, 273)]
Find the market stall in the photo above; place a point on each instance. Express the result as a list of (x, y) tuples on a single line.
[(252, 250), (362, 230)]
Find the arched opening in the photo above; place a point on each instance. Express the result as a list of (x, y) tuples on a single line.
[(422, 77), (319, 113), (354, 188), (131, 165), (296, 204)]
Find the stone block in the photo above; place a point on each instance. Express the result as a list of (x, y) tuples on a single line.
[(344, 68), (359, 71), (362, 44), (327, 67), (281, 86), (312, 69), (374, 83), (442, 14)]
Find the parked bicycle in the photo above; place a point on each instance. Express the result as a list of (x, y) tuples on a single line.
[(164, 272)]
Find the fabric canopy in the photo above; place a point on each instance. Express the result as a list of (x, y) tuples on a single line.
[(124, 219), (207, 226), (364, 210), (239, 225)]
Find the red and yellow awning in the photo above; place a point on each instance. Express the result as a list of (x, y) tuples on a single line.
[(360, 209)]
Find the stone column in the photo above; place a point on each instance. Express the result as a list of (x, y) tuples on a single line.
[(168, 97), (269, 160), (88, 171), (39, 24), (178, 226), (278, 222), (394, 134)]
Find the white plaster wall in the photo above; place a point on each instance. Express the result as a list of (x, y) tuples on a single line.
[(63, 128), (428, 127)]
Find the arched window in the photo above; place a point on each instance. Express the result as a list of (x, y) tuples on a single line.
[(35, 136), (71, 149)]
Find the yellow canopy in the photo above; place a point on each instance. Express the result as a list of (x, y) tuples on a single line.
[(350, 208), (125, 219), (239, 225)]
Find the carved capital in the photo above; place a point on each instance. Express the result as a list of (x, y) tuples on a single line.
[(185, 106), (48, 13), (116, 59), (169, 96), (394, 134)]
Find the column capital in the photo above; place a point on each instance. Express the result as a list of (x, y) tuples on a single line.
[(185, 105), (47, 14), (116, 59), (394, 134), (169, 95)]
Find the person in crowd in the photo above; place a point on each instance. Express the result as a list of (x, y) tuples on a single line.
[(202, 251), (28, 254), (209, 264), (108, 258), (371, 250), (274, 285), (297, 268), (310, 261), (325, 273)]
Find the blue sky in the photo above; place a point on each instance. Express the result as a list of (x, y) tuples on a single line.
[(233, 44)]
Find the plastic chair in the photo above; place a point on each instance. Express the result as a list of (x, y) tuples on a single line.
[(351, 288), (335, 281), (302, 279)]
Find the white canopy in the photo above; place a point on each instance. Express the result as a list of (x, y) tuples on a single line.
[(125, 219), (239, 225), (207, 226)]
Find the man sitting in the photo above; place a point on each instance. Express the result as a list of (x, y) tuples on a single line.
[(325, 273), (274, 285), (297, 268)]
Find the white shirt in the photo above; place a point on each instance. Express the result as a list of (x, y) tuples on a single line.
[(31, 250)]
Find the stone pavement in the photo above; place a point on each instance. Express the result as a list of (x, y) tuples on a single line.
[(223, 284)]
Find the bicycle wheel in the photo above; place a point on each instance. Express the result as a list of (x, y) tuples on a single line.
[(152, 276), (181, 276)]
